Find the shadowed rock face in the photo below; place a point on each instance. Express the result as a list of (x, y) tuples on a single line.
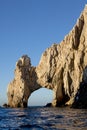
[(61, 69), (80, 100)]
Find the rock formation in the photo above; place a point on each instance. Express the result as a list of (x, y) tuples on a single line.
[(62, 68), (24, 83)]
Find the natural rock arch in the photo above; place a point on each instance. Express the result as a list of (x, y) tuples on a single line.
[(40, 97), (60, 69), (26, 81)]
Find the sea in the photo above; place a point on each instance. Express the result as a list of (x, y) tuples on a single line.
[(43, 118)]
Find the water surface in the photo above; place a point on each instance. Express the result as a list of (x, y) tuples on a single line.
[(43, 118)]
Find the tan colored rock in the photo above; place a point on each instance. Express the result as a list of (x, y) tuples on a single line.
[(22, 86), (61, 69), (65, 62)]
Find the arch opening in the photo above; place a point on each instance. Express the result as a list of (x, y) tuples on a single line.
[(40, 97)]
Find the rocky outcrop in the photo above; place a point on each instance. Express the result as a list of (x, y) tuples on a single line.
[(24, 83), (61, 68), (80, 100)]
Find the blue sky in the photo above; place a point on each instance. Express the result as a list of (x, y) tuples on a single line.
[(29, 27)]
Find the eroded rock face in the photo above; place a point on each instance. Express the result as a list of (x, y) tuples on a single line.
[(61, 69), (80, 100), (61, 66), (24, 83)]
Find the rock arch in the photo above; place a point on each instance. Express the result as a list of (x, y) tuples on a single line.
[(27, 80), (40, 97), (60, 69)]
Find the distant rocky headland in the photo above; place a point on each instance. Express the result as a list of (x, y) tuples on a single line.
[(62, 68)]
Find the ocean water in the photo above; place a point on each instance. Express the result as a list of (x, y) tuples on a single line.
[(43, 118)]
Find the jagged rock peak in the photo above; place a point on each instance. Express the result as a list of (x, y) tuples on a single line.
[(62, 68), (24, 61)]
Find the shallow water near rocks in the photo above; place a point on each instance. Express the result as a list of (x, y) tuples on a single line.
[(43, 118)]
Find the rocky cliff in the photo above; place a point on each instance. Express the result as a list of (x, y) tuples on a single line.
[(62, 68)]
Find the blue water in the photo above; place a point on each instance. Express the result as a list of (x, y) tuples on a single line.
[(42, 118)]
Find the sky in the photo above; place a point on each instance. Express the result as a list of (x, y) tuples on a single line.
[(29, 27)]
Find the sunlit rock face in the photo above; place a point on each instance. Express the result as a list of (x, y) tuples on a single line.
[(23, 84), (61, 68)]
